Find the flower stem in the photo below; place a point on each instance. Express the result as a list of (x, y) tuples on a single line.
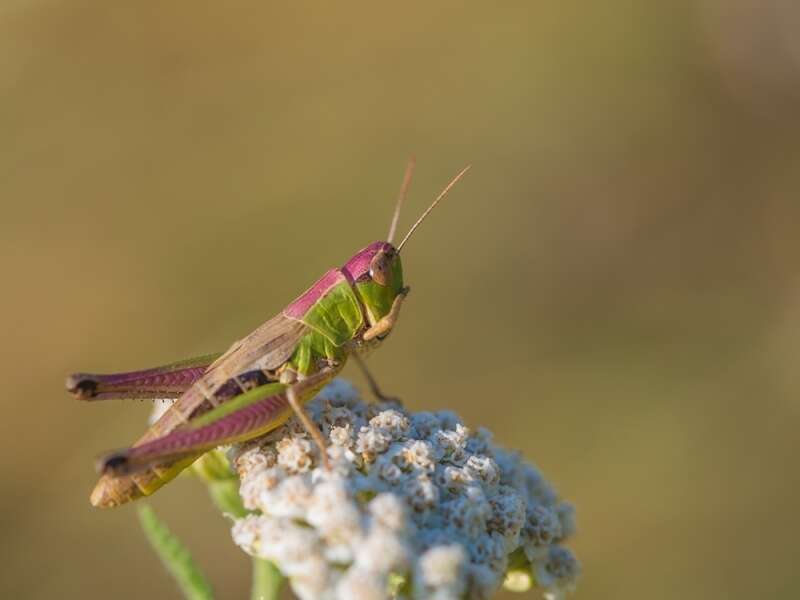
[(267, 580)]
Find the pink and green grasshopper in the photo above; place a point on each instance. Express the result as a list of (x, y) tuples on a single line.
[(263, 378)]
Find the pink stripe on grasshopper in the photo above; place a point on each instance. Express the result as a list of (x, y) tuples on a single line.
[(359, 264), (299, 307)]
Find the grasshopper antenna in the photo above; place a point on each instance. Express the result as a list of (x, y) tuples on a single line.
[(401, 197), (433, 205)]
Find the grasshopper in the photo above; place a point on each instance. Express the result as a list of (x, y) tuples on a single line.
[(261, 379)]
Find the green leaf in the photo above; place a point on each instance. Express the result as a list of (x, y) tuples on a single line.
[(174, 556)]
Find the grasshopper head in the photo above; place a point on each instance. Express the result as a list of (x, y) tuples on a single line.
[(377, 272)]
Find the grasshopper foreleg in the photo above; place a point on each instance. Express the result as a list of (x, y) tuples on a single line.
[(385, 324)]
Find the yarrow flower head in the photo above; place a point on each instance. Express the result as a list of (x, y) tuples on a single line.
[(416, 505)]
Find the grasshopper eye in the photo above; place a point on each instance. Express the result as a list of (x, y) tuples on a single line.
[(380, 268)]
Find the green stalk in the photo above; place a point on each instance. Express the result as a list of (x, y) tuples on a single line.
[(267, 580)]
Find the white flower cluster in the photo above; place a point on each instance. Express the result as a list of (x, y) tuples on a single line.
[(414, 506)]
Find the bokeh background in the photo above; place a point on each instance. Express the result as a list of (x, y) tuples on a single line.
[(613, 289)]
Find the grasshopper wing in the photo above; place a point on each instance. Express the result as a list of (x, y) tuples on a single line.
[(266, 348)]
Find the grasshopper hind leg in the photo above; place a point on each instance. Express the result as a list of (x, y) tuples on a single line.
[(167, 381), (243, 417)]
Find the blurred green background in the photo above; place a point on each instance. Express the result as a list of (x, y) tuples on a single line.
[(613, 289)]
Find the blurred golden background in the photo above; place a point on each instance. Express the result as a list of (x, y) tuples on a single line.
[(612, 289)]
